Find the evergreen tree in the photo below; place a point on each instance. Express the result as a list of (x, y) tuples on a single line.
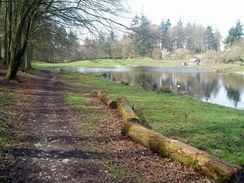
[(235, 34), (165, 35), (209, 39), (178, 36), (141, 35)]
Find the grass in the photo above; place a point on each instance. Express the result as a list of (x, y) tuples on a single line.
[(216, 129), (238, 69), (110, 63), (2, 133), (87, 112), (91, 116), (118, 173), (6, 98)]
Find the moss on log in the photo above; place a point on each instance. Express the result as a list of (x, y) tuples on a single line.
[(126, 110), (105, 98), (197, 159)]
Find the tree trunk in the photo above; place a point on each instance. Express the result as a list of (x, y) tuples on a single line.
[(17, 49), (6, 36), (1, 58), (14, 65), (105, 98), (126, 110), (23, 66), (197, 159), (29, 55), (174, 149)]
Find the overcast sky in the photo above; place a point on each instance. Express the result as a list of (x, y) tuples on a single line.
[(220, 14)]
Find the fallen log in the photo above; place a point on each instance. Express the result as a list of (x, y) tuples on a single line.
[(126, 111), (105, 98), (197, 159)]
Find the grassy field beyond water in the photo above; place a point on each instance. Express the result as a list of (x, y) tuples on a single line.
[(110, 63)]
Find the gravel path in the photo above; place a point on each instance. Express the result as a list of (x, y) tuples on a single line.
[(53, 152)]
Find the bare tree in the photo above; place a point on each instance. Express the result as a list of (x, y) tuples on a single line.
[(21, 15)]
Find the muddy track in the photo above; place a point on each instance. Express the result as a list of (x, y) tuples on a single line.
[(52, 152)]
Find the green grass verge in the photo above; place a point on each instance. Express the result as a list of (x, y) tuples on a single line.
[(91, 118), (238, 69), (216, 129), (6, 98), (110, 63)]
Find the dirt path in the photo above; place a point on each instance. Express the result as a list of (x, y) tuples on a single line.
[(54, 148), (53, 153)]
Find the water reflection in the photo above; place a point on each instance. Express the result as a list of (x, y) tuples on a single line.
[(233, 95), (210, 87), (223, 89)]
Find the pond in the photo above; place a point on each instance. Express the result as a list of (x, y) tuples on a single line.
[(222, 89)]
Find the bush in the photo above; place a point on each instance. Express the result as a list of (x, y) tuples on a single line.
[(165, 54), (234, 53), (156, 54), (180, 54), (212, 56)]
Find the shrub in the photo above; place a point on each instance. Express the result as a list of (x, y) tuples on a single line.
[(180, 54), (165, 54), (234, 53), (231, 54), (212, 56), (156, 54)]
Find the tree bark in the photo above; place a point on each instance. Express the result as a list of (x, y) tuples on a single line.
[(126, 110), (17, 49), (19, 21), (1, 58), (6, 35), (105, 98), (29, 54), (197, 159)]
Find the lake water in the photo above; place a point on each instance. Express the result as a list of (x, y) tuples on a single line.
[(222, 89)]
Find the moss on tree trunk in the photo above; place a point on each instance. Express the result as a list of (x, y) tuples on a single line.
[(197, 159), (105, 98), (126, 111)]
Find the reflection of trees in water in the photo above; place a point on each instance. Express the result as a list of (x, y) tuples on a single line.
[(209, 88), (233, 87), (233, 95), (194, 84), (234, 81), (165, 83), (123, 77), (145, 80), (201, 85)]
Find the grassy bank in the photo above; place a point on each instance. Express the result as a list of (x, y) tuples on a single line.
[(218, 130), (111, 63)]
